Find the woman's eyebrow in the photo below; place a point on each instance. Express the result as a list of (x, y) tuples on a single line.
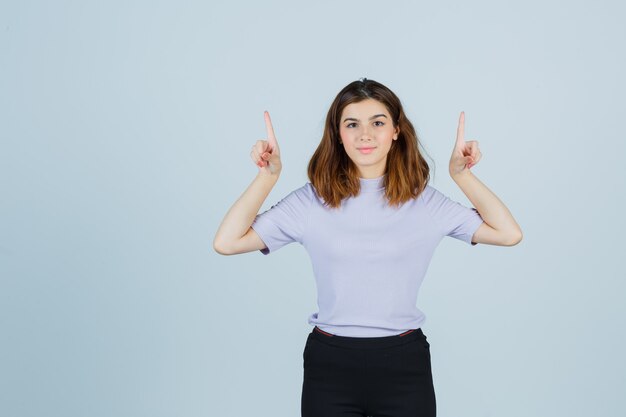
[(357, 120)]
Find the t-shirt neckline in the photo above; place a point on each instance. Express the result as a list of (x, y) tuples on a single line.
[(372, 184)]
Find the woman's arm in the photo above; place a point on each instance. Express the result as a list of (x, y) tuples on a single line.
[(499, 227), (234, 234)]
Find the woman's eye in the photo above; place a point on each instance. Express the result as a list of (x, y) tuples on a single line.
[(377, 121)]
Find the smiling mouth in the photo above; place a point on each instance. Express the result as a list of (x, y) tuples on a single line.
[(366, 150)]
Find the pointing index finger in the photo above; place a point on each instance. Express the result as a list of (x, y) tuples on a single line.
[(270, 130), (460, 132)]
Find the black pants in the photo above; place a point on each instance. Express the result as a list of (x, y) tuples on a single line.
[(386, 376)]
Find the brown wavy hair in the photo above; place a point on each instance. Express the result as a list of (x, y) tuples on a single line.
[(333, 174)]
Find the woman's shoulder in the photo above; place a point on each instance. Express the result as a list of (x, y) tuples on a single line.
[(432, 196), (303, 194), (306, 189), (427, 191)]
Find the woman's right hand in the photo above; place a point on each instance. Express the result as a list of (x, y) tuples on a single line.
[(266, 153)]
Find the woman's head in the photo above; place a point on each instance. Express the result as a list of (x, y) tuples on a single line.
[(367, 131), (365, 114)]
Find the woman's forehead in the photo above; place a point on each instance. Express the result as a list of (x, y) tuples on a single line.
[(364, 108)]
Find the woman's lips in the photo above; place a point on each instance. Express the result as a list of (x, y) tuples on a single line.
[(366, 150)]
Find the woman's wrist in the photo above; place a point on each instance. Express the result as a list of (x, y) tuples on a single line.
[(270, 177)]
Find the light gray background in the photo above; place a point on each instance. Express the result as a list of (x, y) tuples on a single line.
[(125, 134)]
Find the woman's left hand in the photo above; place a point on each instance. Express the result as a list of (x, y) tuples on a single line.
[(465, 154)]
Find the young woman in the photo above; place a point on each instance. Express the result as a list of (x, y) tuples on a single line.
[(370, 223)]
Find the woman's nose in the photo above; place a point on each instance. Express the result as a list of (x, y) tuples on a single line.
[(366, 134)]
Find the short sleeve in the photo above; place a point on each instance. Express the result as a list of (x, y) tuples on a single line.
[(285, 221), (454, 219)]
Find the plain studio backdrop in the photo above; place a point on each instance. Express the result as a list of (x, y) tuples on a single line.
[(126, 130)]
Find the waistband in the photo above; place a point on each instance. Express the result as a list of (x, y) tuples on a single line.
[(366, 342)]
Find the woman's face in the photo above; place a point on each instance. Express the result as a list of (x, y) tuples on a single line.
[(367, 132)]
